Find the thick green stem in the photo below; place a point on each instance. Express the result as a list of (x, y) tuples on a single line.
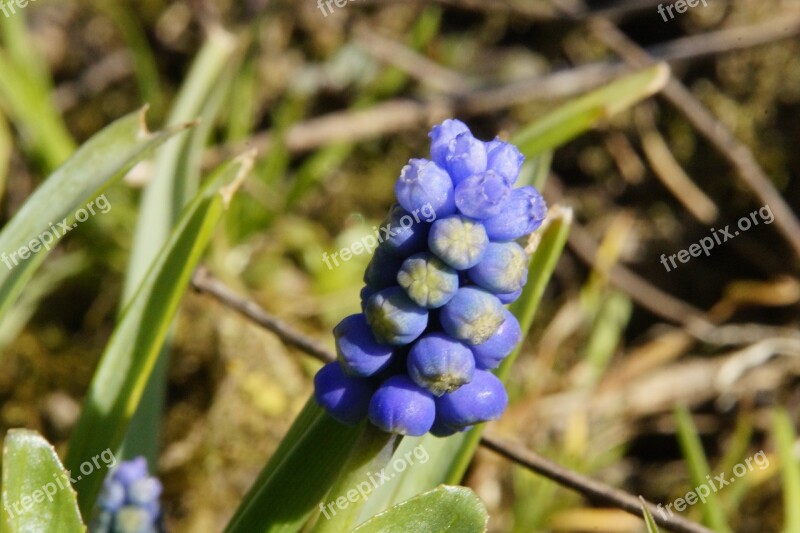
[(371, 453)]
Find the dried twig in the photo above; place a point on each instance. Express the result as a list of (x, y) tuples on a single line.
[(202, 281), (592, 489)]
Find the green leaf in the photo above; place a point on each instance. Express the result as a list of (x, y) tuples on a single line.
[(652, 527), (713, 513), (131, 352), (298, 475), (103, 159), (785, 439), (174, 181), (371, 453), (37, 495), (581, 114), (445, 508)]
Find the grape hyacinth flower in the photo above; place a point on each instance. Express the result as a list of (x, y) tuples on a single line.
[(458, 241), (502, 269), (419, 357), (428, 281), (394, 318), (356, 348), (129, 501), (440, 363), (472, 315)]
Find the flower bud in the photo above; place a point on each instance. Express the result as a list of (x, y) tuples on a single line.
[(504, 159), (401, 406), (133, 519), (522, 214), (345, 398), (441, 135), (359, 353), (428, 281), (472, 315), (394, 318), (458, 241), (489, 354), (502, 269), (482, 195), (404, 233), (425, 187), (440, 363), (466, 156), (482, 399)]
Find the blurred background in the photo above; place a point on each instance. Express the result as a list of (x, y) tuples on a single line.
[(619, 371)]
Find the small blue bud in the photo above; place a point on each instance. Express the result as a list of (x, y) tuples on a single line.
[(502, 269), (509, 297), (440, 363), (424, 187), (359, 353), (113, 495), (441, 135), (404, 233), (129, 471), (345, 398), (428, 281), (394, 318), (472, 315), (466, 156), (145, 493), (489, 354), (505, 159), (522, 214), (458, 241), (382, 269), (401, 406), (482, 195), (482, 399)]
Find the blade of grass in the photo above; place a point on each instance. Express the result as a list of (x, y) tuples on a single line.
[(579, 115), (649, 522), (713, 513), (786, 443), (101, 161), (131, 352)]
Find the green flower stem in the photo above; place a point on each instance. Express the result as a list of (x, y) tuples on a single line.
[(371, 453)]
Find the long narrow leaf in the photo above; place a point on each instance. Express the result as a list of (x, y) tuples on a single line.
[(785, 440), (131, 352), (103, 159)]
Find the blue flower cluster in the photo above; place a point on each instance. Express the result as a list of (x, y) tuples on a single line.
[(129, 502), (418, 359)]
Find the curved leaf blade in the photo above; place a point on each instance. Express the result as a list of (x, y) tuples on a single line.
[(103, 159), (445, 508), (131, 352)]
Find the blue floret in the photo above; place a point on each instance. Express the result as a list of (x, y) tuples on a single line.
[(359, 353), (440, 363), (394, 318), (345, 398), (401, 406)]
